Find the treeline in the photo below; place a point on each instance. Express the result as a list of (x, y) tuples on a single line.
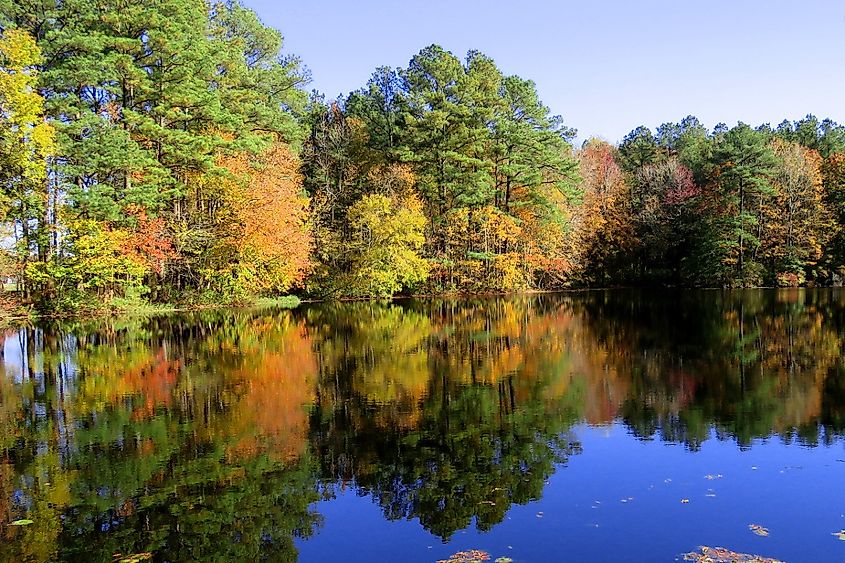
[(169, 152), (731, 207)]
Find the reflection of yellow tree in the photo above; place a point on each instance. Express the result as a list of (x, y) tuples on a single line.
[(7, 487), (490, 391), (47, 494), (10, 410), (394, 357), (381, 349), (43, 492), (517, 344)]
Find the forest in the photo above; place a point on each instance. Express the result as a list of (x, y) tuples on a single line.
[(171, 152)]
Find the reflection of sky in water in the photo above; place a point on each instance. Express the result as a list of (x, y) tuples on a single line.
[(13, 358), (15, 361), (620, 500)]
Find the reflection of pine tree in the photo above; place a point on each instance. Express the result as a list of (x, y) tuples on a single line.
[(483, 432)]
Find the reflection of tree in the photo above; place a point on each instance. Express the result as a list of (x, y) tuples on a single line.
[(751, 363), (183, 436), (188, 436), (487, 432), (376, 353)]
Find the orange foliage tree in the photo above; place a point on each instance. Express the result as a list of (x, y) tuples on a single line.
[(793, 225), (264, 243), (602, 224)]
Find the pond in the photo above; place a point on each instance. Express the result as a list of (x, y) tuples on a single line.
[(586, 426)]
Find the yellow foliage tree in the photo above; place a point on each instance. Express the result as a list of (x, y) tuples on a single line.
[(26, 140), (384, 246), (484, 250)]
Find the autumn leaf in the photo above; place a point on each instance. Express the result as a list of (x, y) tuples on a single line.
[(759, 530)]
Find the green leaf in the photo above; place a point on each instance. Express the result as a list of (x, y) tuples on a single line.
[(23, 522)]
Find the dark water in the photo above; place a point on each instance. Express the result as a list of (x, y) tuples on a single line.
[(602, 426)]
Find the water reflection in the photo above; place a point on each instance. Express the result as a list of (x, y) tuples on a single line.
[(211, 436)]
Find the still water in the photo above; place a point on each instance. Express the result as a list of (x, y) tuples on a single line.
[(597, 426)]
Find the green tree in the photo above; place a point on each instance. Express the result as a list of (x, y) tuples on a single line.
[(744, 166)]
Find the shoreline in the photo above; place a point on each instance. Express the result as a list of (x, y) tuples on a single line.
[(293, 301)]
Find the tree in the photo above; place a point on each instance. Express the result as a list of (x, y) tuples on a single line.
[(263, 243), (145, 99), (602, 225), (638, 148), (794, 226), (379, 105), (745, 164), (26, 142), (665, 198), (833, 180), (448, 109), (387, 235)]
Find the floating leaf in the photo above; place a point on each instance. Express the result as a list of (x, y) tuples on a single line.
[(23, 522), (722, 555), (840, 534), (758, 529), (684, 501), (469, 556), (503, 560), (134, 558)]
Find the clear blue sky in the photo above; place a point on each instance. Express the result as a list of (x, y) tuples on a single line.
[(606, 66)]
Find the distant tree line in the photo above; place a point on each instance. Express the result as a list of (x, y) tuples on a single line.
[(169, 152)]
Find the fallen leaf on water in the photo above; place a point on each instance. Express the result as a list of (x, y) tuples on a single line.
[(539, 515), (684, 501), (134, 558), (469, 556), (758, 529), (840, 534), (23, 522), (722, 555), (504, 560), (712, 477)]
